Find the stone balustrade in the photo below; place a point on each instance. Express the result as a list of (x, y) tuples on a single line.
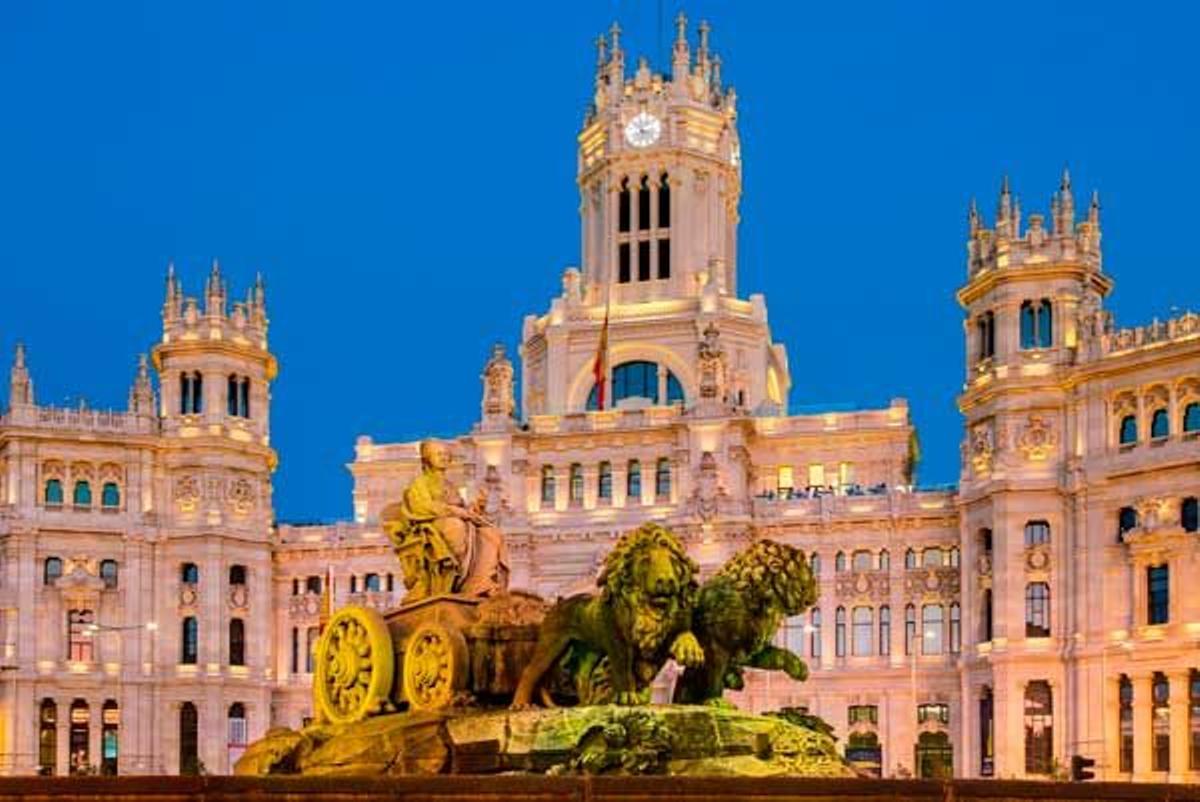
[(1185, 326)]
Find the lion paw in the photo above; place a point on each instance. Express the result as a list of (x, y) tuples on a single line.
[(627, 698), (687, 651)]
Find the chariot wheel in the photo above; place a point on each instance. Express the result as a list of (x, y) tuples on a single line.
[(435, 666), (354, 666)]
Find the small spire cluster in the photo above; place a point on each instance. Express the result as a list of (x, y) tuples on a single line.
[(180, 310), (1008, 243), (696, 77)]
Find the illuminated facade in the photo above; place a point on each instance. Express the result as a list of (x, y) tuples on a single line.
[(997, 629)]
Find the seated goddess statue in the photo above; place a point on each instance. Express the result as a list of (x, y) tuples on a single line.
[(443, 545)]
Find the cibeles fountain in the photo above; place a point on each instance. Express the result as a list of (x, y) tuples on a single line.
[(468, 676)]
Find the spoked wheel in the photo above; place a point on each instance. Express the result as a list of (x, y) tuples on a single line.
[(355, 666), (435, 667)]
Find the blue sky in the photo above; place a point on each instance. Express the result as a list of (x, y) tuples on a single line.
[(404, 176)]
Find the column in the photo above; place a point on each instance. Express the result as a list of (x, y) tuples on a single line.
[(620, 482), (62, 756), (1142, 725), (1111, 767), (591, 485), (1179, 680)]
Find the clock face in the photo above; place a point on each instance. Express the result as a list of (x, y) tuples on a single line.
[(643, 130)]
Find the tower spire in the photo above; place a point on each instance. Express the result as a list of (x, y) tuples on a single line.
[(1065, 220), (214, 300), (20, 386), (1004, 209), (973, 218), (702, 48), (1094, 209), (141, 394), (681, 59)]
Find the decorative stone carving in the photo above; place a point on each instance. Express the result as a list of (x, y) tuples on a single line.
[(1156, 512), (1037, 558), (1037, 439), (983, 447), (712, 370), (241, 495), (187, 492), (872, 586), (239, 597), (705, 501), (189, 595), (497, 378)]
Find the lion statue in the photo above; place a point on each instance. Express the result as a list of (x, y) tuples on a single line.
[(737, 614), (613, 643)]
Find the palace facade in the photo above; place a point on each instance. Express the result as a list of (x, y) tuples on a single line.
[(154, 619)]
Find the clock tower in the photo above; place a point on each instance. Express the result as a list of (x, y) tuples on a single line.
[(660, 176)]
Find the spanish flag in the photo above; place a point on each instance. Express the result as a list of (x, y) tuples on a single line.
[(600, 366)]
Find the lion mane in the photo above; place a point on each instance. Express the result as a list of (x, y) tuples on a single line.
[(769, 573)]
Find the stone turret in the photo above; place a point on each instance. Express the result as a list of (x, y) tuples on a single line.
[(141, 394), (20, 386)]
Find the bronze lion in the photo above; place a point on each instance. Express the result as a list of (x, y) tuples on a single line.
[(627, 631), (737, 614)]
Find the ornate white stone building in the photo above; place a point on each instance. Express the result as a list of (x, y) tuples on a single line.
[(1035, 613)]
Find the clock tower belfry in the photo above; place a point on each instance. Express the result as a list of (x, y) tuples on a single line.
[(659, 177)]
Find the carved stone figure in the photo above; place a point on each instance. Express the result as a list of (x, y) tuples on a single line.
[(612, 644), (443, 545), (737, 614), (711, 358), (498, 385)]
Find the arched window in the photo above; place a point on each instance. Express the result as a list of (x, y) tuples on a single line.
[(1125, 745), (863, 621), (79, 735), (662, 479), (237, 575), (48, 738), (986, 332), (674, 388), (644, 204), (934, 753), (110, 496), (1045, 324), (839, 632), (54, 493), (955, 628), (863, 561), (81, 648), (814, 642), (312, 584), (189, 643), (1127, 521), (1160, 424), (548, 489), (51, 570), (633, 482), (1028, 326), (1189, 517), (932, 558), (910, 628), (231, 396), (638, 379), (604, 481), (1037, 533), (237, 732), (82, 495), (244, 398), (189, 739), (1191, 418), (985, 540), (664, 202), (987, 733), (576, 486), (986, 634), (110, 722), (910, 559), (1039, 728), (189, 574), (931, 629), (814, 563), (954, 556), (885, 561), (1160, 715), (371, 583), (237, 642), (1037, 610), (885, 630), (623, 208), (185, 394), (108, 573), (1128, 434), (1158, 595)]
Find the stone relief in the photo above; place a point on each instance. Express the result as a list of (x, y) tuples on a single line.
[(238, 494), (1036, 439), (498, 385)]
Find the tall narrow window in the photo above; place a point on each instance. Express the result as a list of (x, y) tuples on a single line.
[(1191, 418), (664, 258), (295, 650), (189, 739), (1194, 720), (633, 482), (1028, 326), (987, 733), (1160, 717), (643, 260), (1189, 514), (1129, 433), (1045, 324), (932, 624), (864, 631), (662, 479), (814, 564), (53, 496), (1037, 610), (52, 570), (231, 396), (1039, 728), (237, 732), (548, 489), (189, 574), (986, 634), (839, 632), (1158, 583), (1036, 533), (311, 636), (623, 207), (604, 481), (910, 559), (80, 738), (110, 496), (644, 204), (197, 393), (839, 562), (244, 398), (885, 630), (108, 573), (312, 584), (814, 643), (623, 262), (576, 494), (1160, 425), (80, 646), (189, 645), (237, 575), (82, 496), (110, 722), (986, 326), (674, 389), (1127, 521), (955, 628), (237, 642), (1125, 700), (371, 583), (910, 628), (48, 738), (664, 202), (185, 394), (885, 561)]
